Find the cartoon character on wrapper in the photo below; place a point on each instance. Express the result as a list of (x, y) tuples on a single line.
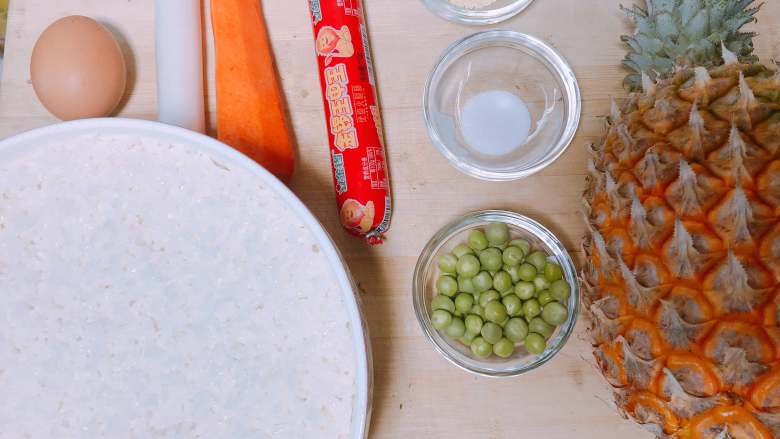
[(334, 43), (356, 216)]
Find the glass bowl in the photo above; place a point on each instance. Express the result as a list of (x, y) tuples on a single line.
[(495, 12), (511, 64), (427, 271)]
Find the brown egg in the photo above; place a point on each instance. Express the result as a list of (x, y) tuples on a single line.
[(77, 69)]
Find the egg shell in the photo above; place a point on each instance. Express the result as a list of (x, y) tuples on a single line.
[(78, 69)]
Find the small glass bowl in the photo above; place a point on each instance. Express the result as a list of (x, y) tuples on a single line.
[(426, 272), (509, 62), (495, 12)]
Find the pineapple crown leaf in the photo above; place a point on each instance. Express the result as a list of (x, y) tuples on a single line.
[(670, 33)]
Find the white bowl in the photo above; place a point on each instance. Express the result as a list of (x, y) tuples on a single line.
[(166, 133)]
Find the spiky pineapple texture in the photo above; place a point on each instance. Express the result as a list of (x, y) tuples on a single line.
[(686, 33), (682, 278)]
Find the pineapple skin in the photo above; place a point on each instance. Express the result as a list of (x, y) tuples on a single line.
[(682, 278)]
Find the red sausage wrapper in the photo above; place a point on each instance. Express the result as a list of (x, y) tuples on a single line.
[(353, 118)]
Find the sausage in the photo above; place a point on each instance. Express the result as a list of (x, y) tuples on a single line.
[(357, 152)]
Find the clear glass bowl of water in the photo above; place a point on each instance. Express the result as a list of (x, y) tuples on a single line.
[(501, 105), (482, 12)]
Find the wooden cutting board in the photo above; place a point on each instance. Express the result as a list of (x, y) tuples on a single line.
[(418, 394)]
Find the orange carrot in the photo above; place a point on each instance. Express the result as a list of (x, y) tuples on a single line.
[(250, 103)]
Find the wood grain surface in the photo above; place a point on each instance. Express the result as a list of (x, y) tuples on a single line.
[(417, 394)]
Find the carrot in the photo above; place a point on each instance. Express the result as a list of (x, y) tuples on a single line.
[(250, 104)]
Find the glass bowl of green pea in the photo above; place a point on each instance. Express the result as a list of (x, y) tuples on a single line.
[(496, 293)]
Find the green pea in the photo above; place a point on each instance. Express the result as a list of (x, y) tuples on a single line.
[(482, 281), (440, 319), (535, 343), (473, 323), (545, 297), (555, 314), (553, 272), (487, 297), (531, 308), (502, 282), (464, 302), (541, 283), (504, 348), (560, 290), (539, 326), (525, 290), (462, 249), (527, 272), (465, 285), (477, 240), (446, 285), (513, 304), (516, 330), (477, 310), (468, 337), (456, 328), (495, 312), (537, 259), (491, 332), (481, 348), (468, 266), (491, 259), (512, 256), (522, 244), (440, 301), (447, 263), (497, 233), (514, 272)]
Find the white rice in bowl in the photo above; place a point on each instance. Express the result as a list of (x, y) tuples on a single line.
[(150, 291)]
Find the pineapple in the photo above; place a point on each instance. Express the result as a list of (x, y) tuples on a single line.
[(682, 279)]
